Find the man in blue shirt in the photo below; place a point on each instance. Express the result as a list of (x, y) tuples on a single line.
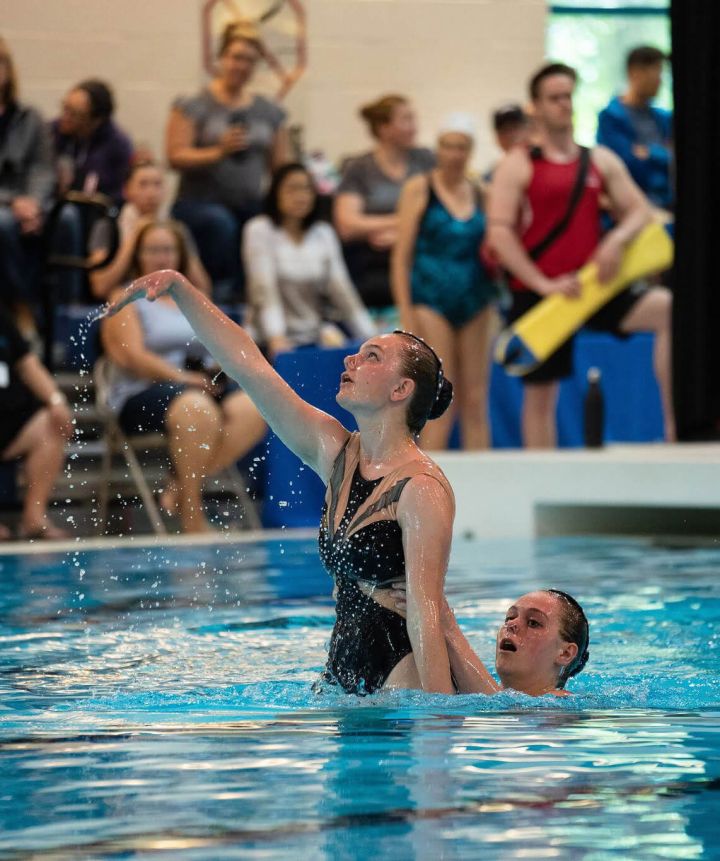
[(639, 132)]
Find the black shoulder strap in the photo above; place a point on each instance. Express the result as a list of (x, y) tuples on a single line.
[(558, 229)]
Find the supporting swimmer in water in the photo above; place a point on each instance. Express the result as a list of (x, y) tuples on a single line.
[(388, 509), (543, 642)]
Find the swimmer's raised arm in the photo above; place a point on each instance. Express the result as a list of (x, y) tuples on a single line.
[(313, 435)]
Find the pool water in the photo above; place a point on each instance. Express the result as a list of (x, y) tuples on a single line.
[(156, 703)]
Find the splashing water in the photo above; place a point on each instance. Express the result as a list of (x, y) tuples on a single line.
[(170, 704)]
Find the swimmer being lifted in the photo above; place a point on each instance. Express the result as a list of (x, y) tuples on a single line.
[(388, 508)]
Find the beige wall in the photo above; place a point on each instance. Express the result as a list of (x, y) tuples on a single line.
[(447, 54)]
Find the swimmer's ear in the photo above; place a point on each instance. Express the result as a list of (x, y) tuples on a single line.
[(567, 654), (403, 390)]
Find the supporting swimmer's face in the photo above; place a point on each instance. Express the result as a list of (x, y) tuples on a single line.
[(372, 377), (530, 652)]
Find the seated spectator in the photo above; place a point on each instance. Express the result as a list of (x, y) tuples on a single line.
[(145, 202), (368, 194), (92, 153), (26, 185), (209, 426), (297, 280), (440, 285), (223, 142), (36, 425), (512, 128), (639, 132)]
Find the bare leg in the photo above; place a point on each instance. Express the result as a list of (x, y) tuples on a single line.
[(653, 313), (243, 428), (43, 450), (474, 378), (441, 336), (539, 423), (193, 423)]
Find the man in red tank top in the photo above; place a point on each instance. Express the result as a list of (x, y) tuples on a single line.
[(530, 193)]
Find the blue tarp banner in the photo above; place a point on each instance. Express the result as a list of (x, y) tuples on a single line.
[(294, 494)]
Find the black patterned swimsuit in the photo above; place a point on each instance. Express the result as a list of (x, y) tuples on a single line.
[(368, 640)]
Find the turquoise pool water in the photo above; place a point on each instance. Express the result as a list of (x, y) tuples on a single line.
[(157, 704)]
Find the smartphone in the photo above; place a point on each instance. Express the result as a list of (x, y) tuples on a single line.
[(238, 117)]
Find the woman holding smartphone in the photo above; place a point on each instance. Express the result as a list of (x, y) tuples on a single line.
[(224, 142)]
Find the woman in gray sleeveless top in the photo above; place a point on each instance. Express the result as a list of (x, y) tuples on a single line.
[(152, 390), (224, 142), (367, 197)]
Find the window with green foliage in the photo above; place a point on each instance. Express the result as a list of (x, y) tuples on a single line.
[(594, 37)]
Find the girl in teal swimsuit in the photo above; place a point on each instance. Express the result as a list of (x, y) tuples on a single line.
[(439, 283)]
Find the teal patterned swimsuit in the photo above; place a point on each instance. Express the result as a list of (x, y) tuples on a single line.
[(448, 275)]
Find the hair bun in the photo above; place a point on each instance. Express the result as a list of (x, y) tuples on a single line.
[(443, 399)]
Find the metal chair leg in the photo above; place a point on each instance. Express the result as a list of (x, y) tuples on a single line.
[(105, 478), (234, 476), (151, 508)]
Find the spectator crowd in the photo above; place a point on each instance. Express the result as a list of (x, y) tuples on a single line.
[(408, 237)]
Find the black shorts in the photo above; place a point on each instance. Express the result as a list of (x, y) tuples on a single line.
[(15, 420), (146, 411), (560, 364)]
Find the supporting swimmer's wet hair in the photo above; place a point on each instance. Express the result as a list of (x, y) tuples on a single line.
[(433, 392), (574, 628)]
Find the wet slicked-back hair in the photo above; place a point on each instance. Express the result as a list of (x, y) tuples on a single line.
[(433, 392), (574, 628)]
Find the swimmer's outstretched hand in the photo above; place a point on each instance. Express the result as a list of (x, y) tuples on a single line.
[(148, 287), (398, 593)]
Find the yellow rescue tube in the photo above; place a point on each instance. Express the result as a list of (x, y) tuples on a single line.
[(535, 336)]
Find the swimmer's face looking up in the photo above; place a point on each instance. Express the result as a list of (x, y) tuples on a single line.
[(372, 378), (530, 652)]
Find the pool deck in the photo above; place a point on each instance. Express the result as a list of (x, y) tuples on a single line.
[(110, 542), (620, 489), (626, 489)]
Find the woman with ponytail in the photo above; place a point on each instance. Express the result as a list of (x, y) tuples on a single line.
[(367, 197), (388, 510)]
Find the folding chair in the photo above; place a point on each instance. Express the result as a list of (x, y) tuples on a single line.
[(118, 442)]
